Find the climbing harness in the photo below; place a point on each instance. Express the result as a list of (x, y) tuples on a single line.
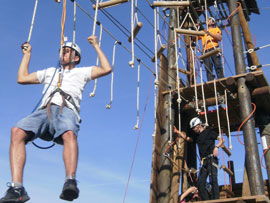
[(108, 106)]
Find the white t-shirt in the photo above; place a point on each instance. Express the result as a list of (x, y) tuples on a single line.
[(73, 83)]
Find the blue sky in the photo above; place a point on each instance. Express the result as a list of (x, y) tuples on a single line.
[(106, 139)]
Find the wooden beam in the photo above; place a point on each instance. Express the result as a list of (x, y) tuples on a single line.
[(189, 32), (182, 70), (159, 52), (210, 53), (136, 30), (171, 3), (107, 4), (226, 150), (227, 170)]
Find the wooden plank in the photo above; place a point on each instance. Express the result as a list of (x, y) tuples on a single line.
[(171, 3), (110, 3), (189, 32), (136, 30)]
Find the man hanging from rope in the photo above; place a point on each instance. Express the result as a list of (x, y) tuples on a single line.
[(58, 116), (210, 42), (205, 139)]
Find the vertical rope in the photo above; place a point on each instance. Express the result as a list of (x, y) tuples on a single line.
[(92, 94), (108, 106), (203, 97), (205, 7), (138, 95), (74, 23), (195, 81), (228, 120), (156, 73), (63, 20), (178, 85), (131, 63), (32, 22), (95, 18), (217, 108), (170, 116)]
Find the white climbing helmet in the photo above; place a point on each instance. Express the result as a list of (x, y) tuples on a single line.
[(213, 19), (194, 122), (74, 47)]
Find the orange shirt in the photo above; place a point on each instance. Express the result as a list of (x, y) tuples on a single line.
[(210, 41)]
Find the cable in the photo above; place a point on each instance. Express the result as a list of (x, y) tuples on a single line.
[(139, 135), (254, 109)]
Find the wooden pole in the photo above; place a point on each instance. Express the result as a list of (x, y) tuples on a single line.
[(253, 168), (247, 37), (165, 170)]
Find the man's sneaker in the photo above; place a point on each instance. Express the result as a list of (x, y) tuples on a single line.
[(14, 195), (70, 190)]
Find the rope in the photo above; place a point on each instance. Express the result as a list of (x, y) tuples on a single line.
[(218, 119), (203, 96), (95, 18), (108, 106), (254, 109), (32, 22), (205, 6), (156, 66), (138, 139), (231, 16), (170, 116), (138, 96), (120, 43), (131, 63), (74, 23), (195, 82), (178, 86), (92, 94), (228, 120), (263, 156)]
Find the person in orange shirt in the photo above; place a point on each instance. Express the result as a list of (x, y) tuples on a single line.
[(210, 42)]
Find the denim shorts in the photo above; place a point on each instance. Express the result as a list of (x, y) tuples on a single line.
[(37, 124)]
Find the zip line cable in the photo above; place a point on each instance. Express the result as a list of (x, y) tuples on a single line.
[(126, 32), (120, 43)]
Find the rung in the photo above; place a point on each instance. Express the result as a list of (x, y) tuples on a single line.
[(227, 170), (136, 30), (226, 150), (109, 3), (189, 32), (210, 53), (160, 51), (170, 3)]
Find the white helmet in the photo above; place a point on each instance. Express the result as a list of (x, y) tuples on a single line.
[(213, 19), (74, 47), (194, 122)]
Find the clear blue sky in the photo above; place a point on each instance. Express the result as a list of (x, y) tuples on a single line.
[(106, 139)]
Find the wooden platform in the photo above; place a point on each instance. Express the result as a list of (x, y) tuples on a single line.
[(256, 82), (246, 199)]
